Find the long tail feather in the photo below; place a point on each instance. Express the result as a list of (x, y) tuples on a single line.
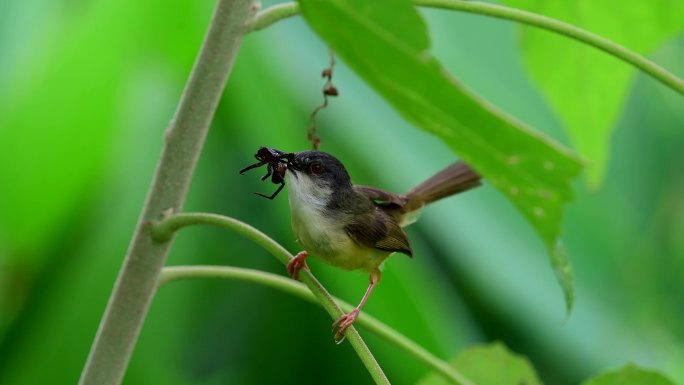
[(452, 180)]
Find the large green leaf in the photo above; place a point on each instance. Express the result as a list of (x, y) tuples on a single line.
[(586, 87), (490, 364), (389, 49), (629, 375)]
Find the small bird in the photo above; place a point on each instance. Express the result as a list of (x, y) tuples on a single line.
[(357, 227)]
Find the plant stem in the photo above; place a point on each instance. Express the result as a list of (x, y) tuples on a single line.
[(273, 14), (165, 229), (184, 139), (289, 286)]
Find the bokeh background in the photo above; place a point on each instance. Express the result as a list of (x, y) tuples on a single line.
[(86, 91)]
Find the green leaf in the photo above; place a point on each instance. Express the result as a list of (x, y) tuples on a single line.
[(491, 364), (630, 375), (586, 87), (390, 51)]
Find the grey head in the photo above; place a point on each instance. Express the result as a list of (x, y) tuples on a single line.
[(324, 170)]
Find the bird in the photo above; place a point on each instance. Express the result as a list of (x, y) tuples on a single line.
[(354, 226)]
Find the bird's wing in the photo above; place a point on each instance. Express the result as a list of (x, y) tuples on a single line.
[(381, 197), (380, 231)]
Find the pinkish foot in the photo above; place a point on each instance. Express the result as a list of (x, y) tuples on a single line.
[(343, 323), (296, 264)]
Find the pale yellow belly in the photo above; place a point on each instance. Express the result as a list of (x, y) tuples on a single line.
[(349, 255)]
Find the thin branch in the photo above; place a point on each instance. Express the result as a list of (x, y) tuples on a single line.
[(166, 228), (137, 280), (270, 16), (289, 286)]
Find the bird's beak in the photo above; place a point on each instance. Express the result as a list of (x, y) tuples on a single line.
[(292, 167)]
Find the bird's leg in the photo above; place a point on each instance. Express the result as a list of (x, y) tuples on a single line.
[(296, 264), (347, 319)]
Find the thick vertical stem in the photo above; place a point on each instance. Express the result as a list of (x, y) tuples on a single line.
[(137, 280)]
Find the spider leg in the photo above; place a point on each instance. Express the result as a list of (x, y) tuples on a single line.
[(282, 184), (255, 165), (269, 171)]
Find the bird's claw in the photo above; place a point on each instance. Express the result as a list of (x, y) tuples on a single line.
[(342, 323), (296, 264)]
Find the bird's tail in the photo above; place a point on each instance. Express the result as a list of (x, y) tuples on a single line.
[(452, 180)]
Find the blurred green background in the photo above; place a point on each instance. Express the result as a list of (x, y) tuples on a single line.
[(86, 91)]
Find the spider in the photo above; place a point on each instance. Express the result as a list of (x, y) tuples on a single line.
[(276, 166)]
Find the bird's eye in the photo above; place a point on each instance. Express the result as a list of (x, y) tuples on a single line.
[(316, 168)]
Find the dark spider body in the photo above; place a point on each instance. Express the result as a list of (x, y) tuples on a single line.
[(276, 165)]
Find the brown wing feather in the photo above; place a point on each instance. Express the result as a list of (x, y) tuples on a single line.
[(381, 197), (380, 231)]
